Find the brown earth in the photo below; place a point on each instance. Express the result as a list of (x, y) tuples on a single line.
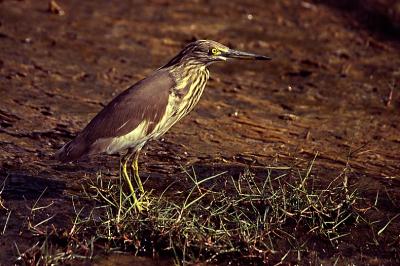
[(332, 88)]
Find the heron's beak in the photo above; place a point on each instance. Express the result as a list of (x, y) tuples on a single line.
[(244, 55)]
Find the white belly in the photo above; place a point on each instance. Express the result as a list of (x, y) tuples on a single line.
[(135, 139)]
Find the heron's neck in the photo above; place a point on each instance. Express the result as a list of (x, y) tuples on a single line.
[(189, 73), (190, 82)]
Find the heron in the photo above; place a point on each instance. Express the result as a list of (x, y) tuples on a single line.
[(149, 108)]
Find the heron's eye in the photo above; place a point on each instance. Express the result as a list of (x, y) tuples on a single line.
[(215, 51)]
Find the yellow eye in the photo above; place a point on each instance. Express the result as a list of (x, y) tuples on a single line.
[(214, 51)]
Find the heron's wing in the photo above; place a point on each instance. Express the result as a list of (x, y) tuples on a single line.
[(146, 100)]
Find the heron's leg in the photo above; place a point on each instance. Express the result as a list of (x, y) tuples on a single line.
[(125, 160), (126, 176), (135, 169)]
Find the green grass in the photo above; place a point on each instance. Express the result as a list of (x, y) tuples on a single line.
[(282, 216)]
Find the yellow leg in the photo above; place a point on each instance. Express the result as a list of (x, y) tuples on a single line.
[(135, 170), (143, 196), (127, 178)]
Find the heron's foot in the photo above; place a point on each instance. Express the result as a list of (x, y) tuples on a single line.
[(143, 202)]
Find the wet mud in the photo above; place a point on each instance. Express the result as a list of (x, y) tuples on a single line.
[(332, 88)]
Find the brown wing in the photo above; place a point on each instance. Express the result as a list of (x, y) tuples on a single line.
[(146, 100)]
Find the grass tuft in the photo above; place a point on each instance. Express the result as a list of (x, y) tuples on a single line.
[(279, 217)]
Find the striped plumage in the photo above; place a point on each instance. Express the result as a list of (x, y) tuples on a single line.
[(191, 81), (149, 108)]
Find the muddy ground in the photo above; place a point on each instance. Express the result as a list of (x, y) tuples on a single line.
[(332, 88)]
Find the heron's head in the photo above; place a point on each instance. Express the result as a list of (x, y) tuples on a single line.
[(207, 52)]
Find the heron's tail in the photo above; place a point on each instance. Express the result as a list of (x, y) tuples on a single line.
[(71, 151)]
